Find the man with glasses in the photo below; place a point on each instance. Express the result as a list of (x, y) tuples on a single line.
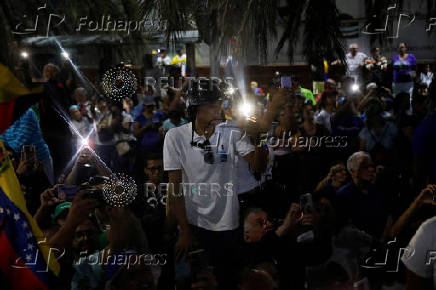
[(361, 201), (200, 159)]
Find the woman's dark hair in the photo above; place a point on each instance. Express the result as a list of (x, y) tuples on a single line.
[(344, 112), (400, 102)]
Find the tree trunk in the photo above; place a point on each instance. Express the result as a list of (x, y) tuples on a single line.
[(214, 62)]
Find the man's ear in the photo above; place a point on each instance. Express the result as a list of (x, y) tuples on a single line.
[(247, 237)]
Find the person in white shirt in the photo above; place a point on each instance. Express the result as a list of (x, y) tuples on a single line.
[(328, 106), (180, 60), (355, 61), (163, 58), (200, 158), (80, 123), (426, 76), (420, 255)]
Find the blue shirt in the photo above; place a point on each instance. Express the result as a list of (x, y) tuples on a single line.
[(150, 137), (366, 211), (26, 131)]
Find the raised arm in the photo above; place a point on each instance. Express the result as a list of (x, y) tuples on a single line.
[(177, 211)]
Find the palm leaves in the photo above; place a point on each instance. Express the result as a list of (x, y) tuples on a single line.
[(253, 23), (322, 37)]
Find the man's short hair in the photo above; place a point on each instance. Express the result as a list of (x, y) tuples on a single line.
[(352, 162), (353, 45), (53, 66), (81, 91), (251, 210), (153, 156)]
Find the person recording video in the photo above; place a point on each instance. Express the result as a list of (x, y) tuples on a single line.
[(202, 155)]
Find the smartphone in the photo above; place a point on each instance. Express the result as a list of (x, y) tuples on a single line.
[(68, 192), (29, 152), (198, 261), (306, 202)]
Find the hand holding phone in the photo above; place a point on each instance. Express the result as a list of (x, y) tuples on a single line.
[(306, 203), (27, 162), (67, 192)]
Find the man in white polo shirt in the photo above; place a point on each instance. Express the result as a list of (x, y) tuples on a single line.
[(201, 156), (355, 61)]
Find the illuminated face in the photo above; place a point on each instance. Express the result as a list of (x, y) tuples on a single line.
[(154, 171), (339, 173), (49, 72), (75, 114), (354, 49), (85, 237), (402, 48), (80, 98), (256, 226), (366, 171)]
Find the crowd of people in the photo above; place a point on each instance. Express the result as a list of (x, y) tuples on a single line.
[(269, 188)]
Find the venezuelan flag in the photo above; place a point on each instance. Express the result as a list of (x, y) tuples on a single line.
[(26, 261), (11, 105)]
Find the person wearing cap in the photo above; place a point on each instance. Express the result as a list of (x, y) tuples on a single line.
[(200, 160), (60, 213), (146, 126)]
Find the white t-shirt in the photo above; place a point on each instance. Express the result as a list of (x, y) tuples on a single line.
[(163, 61), (246, 179), (83, 127), (420, 255), (386, 139), (353, 63), (210, 190), (127, 120)]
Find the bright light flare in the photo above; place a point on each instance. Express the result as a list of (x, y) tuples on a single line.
[(246, 109), (230, 91), (355, 88), (85, 142), (65, 54), (24, 54)]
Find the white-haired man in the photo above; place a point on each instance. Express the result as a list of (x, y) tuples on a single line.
[(361, 201), (355, 61)]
